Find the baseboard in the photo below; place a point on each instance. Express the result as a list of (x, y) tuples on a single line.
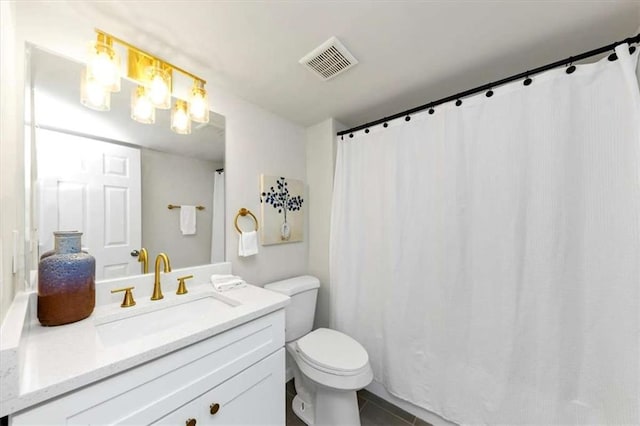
[(425, 415)]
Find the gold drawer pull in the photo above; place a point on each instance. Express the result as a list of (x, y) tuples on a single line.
[(191, 422), (128, 296), (213, 408)]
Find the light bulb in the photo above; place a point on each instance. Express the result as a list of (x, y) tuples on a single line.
[(180, 122), (158, 90), (197, 106), (93, 95), (158, 82), (102, 68), (103, 65), (142, 110), (199, 103)]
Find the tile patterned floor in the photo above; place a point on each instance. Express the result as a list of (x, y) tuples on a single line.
[(374, 411)]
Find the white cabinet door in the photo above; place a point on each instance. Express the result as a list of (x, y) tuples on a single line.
[(253, 397), (93, 187)]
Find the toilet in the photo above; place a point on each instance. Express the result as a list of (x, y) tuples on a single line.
[(328, 366)]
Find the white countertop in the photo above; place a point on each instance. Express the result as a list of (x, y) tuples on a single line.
[(56, 360)]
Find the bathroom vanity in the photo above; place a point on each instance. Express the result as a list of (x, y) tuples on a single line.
[(200, 358)]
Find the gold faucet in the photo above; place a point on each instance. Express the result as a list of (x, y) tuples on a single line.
[(143, 257), (157, 291)]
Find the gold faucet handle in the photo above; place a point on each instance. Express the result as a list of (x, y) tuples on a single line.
[(182, 287), (128, 296)]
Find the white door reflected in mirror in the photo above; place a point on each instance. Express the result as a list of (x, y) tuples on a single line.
[(92, 187)]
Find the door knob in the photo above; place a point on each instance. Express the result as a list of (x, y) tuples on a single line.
[(213, 408), (191, 422), (135, 253)]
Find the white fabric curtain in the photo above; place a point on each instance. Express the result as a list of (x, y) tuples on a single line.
[(488, 256), (217, 227)]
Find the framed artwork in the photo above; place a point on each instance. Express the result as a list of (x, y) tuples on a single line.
[(282, 203)]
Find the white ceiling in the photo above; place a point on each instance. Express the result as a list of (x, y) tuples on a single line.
[(410, 52)]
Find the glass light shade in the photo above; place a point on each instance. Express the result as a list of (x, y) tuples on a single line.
[(93, 94), (180, 122), (142, 109), (199, 103), (158, 82), (103, 65)]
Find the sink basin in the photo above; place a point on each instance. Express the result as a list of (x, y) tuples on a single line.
[(145, 322)]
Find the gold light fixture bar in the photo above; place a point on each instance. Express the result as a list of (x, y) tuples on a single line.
[(147, 54)]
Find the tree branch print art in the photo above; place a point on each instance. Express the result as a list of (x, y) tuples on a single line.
[(278, 193)]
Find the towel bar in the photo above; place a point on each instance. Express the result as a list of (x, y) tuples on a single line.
[(173, 206), (244, 212)]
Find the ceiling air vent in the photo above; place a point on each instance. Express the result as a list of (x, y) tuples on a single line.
[(329, 59)]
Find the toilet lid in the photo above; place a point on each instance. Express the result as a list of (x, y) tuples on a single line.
[(332, 350)]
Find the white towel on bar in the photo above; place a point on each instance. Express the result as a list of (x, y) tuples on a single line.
[(248, 244), (226, 282), (188, 220)]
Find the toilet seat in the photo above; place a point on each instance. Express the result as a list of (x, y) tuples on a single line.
[(333, 352)]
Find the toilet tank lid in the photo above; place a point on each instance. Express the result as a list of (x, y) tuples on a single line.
[(294, 285)]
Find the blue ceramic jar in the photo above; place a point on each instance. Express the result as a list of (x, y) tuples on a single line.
[(66, 281)]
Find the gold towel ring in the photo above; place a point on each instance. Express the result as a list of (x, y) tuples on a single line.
[(244, 212)]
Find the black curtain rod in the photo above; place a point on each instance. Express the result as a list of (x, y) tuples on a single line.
[(497, 83)]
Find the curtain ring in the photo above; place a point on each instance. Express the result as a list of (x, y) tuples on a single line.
[(571, 68)]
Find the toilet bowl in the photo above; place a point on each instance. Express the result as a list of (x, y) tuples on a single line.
[(328, 366)]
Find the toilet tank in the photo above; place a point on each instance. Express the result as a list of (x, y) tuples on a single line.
[(299, 314)]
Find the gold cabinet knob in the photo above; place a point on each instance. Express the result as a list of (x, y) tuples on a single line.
[(182, 287), (128, 296), (191, 422), (213, 408)]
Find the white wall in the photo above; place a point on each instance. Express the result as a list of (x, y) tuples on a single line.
[(257, 141), (260, 142), (321, 152), (174, 179), (11, 164)]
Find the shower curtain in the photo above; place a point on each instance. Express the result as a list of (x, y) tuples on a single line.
[(217, 227), (488, 255)]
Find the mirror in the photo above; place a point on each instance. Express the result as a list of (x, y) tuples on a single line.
[(113, 178)]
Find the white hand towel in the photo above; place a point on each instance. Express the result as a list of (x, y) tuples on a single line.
[(226, 282), (248, 244), (221, 278), (188, 220)]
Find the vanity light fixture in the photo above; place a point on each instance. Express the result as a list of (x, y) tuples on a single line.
[(180, 122), (142, 110), (155, 84)]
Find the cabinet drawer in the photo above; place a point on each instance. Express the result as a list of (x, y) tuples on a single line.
[(144, 394), (253, 397)]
